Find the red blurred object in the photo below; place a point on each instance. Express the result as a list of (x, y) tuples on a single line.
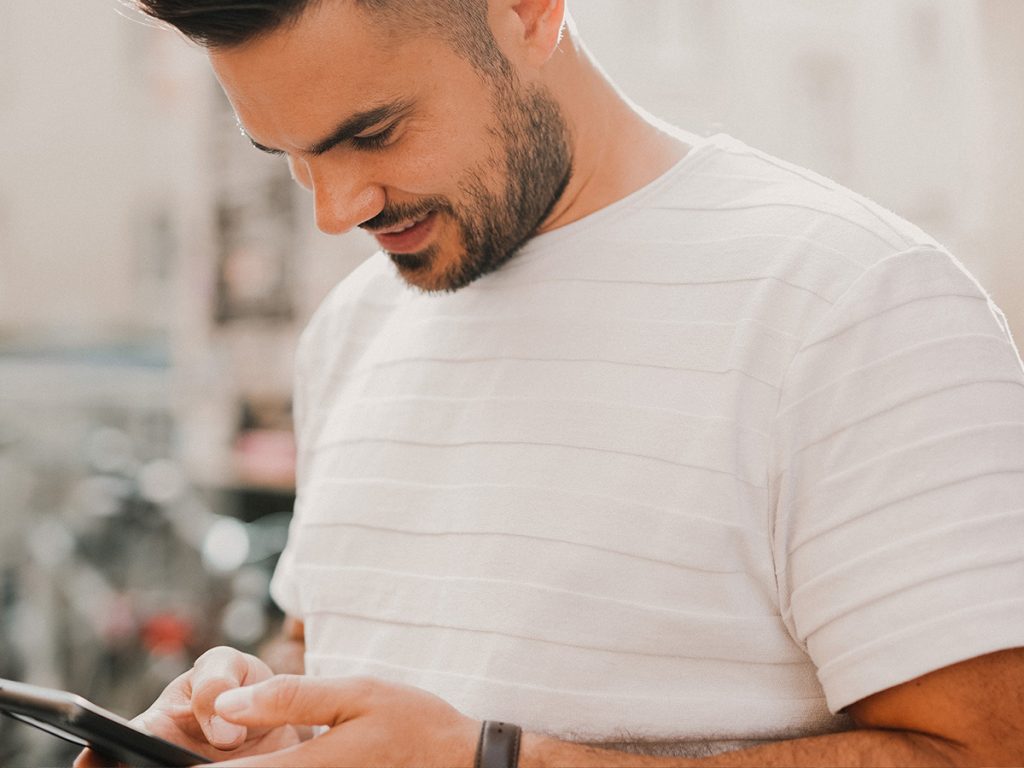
[(166, 634), (265, 457)]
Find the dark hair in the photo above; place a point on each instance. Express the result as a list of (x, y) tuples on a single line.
[(228, 23), (220, 24)]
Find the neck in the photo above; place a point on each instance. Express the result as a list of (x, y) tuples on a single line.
[(617, 148)]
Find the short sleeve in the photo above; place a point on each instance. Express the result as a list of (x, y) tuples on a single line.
[(283, 588), (898, 480), (282, 585)]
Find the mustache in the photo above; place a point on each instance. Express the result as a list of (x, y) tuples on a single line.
[(398, 213)]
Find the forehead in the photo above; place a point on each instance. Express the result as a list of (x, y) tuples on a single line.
[(295, 82)]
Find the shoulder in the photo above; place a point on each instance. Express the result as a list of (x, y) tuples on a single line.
[(728, 210), (369, 289), (786, 198), (793, 224), (786, 221)]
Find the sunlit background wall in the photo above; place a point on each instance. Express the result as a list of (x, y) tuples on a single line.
[(155, 272)]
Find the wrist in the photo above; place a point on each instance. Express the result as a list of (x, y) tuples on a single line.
[(534, 750), (498, 745), (537, 751)]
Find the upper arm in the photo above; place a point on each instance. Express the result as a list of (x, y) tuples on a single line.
[(973, 710), (286, 653), (294, 629)]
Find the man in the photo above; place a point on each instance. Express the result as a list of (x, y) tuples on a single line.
[(652, 445)]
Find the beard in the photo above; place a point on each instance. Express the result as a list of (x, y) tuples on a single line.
[(533, 155)]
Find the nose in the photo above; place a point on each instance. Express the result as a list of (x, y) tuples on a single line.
[(339, 210), (343, 197)]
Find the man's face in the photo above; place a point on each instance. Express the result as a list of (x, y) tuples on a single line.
[(449, 169)]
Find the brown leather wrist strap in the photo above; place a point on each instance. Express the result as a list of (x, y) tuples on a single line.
[(498, 746)]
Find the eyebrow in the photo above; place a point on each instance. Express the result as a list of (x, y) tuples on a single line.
[(347, 129)]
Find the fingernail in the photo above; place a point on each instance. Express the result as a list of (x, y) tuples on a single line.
[(223, 732), (234, 702)]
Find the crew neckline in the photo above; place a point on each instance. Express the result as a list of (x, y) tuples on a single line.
[(698, 150)]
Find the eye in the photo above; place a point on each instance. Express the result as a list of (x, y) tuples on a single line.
[(374, 140)]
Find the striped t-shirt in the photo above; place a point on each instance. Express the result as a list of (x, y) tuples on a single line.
[(707, 465)]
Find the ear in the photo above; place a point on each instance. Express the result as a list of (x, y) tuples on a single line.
[(539, 26)]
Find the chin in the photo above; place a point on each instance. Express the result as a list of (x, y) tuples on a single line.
[(427, 271), (427, 283)]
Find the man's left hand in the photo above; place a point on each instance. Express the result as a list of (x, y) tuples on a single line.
[(370, 723)]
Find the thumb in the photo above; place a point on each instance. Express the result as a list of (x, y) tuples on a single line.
[(290, 700)]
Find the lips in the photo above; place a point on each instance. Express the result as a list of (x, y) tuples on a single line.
[(409, 236)]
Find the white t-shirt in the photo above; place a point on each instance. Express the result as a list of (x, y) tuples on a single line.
[(708, 465)]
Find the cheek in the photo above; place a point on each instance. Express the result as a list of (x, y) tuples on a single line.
[(436, 161)]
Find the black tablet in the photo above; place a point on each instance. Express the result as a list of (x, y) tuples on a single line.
[(81, 722)]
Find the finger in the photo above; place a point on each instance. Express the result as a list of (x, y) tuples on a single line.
[(293, 757), (218, 670), (294, 700), (87, 758)]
